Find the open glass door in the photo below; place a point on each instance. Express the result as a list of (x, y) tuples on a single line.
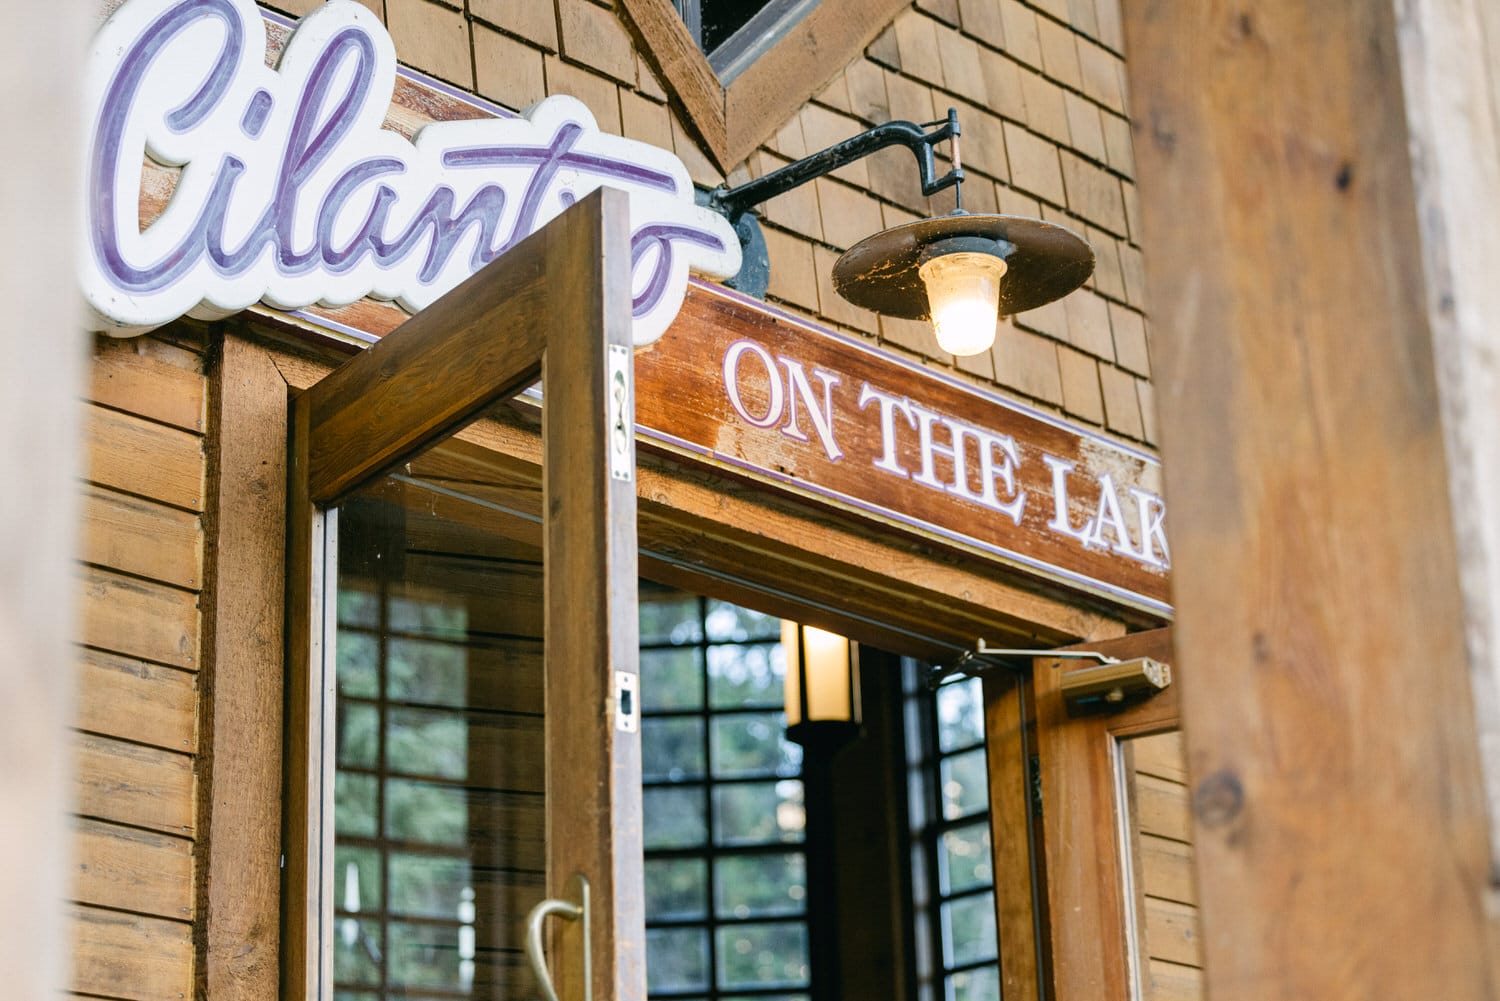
[(464, 753)]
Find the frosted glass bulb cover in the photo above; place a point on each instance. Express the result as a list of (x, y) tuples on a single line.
[(829, 680), (963, 296)]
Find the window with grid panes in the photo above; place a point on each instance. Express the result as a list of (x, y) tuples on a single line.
[(952, 868), (438, 787), (726, 879)]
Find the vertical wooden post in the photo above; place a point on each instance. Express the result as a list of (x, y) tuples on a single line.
[(41, 58), (240, 806), (1008, 750), (1329, 717), (591, 627)]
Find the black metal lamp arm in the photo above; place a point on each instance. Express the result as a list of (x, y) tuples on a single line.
[(733, 202)]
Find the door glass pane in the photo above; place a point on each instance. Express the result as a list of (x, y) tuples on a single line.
[(676, 959), (439, 811)]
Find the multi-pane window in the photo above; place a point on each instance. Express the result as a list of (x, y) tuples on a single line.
[(952, 867), (726, 880), (438, 788)]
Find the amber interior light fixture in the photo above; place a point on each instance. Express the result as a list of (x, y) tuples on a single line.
[(822, 685), (961, 271)]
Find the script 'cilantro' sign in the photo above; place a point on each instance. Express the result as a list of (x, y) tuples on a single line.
[(292, 193)]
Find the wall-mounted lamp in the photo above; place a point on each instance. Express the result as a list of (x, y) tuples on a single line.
[(822, 686), (962, 271)]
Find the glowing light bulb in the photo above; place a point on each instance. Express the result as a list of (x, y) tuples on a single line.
[(963, 297), (828, 676)]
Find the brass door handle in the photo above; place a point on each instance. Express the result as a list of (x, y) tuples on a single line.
[(568, 911)]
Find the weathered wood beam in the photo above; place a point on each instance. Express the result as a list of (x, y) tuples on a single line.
[(1338, 807), (241, 773)]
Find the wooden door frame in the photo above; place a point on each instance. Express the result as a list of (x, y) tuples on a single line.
[(500, 331), (1091, 910)]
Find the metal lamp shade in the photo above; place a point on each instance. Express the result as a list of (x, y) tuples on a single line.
[(1045, 262)]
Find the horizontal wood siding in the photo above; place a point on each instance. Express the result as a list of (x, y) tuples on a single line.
[(1167, 895), (139, 655)]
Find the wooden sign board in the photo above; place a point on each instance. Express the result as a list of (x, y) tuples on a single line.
[(769, 396), (763, 395)]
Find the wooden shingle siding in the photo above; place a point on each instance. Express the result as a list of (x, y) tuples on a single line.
[(1038, 87), (1167, 895), (139, 657)]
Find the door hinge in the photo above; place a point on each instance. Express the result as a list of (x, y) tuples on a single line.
[(1034, 773)]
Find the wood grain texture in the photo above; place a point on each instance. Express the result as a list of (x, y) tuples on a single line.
[(682, 64), (1008, 748), (721, 361), (1167, 868), (131, 784), (1163, 755), (127, 869), (138, 456), (1317, 566), (143, 538), (150, 378), (594, 823), (240, 809), (1172, 932), (773, 88), (479, 343), (734, 118), (1171, 982), (139, 618), (1164, 808), (1086, 866), (131, 957), (1166, 899), (138, 701)]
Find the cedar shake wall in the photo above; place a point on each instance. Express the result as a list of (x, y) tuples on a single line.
[(1040, 93)]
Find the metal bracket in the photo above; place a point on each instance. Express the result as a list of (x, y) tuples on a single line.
[(627, 702), (621, 414), (984, 658), (734, 204), (1113, 684), (568, 911)]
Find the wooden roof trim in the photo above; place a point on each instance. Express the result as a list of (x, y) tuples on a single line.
[(733, 120)]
